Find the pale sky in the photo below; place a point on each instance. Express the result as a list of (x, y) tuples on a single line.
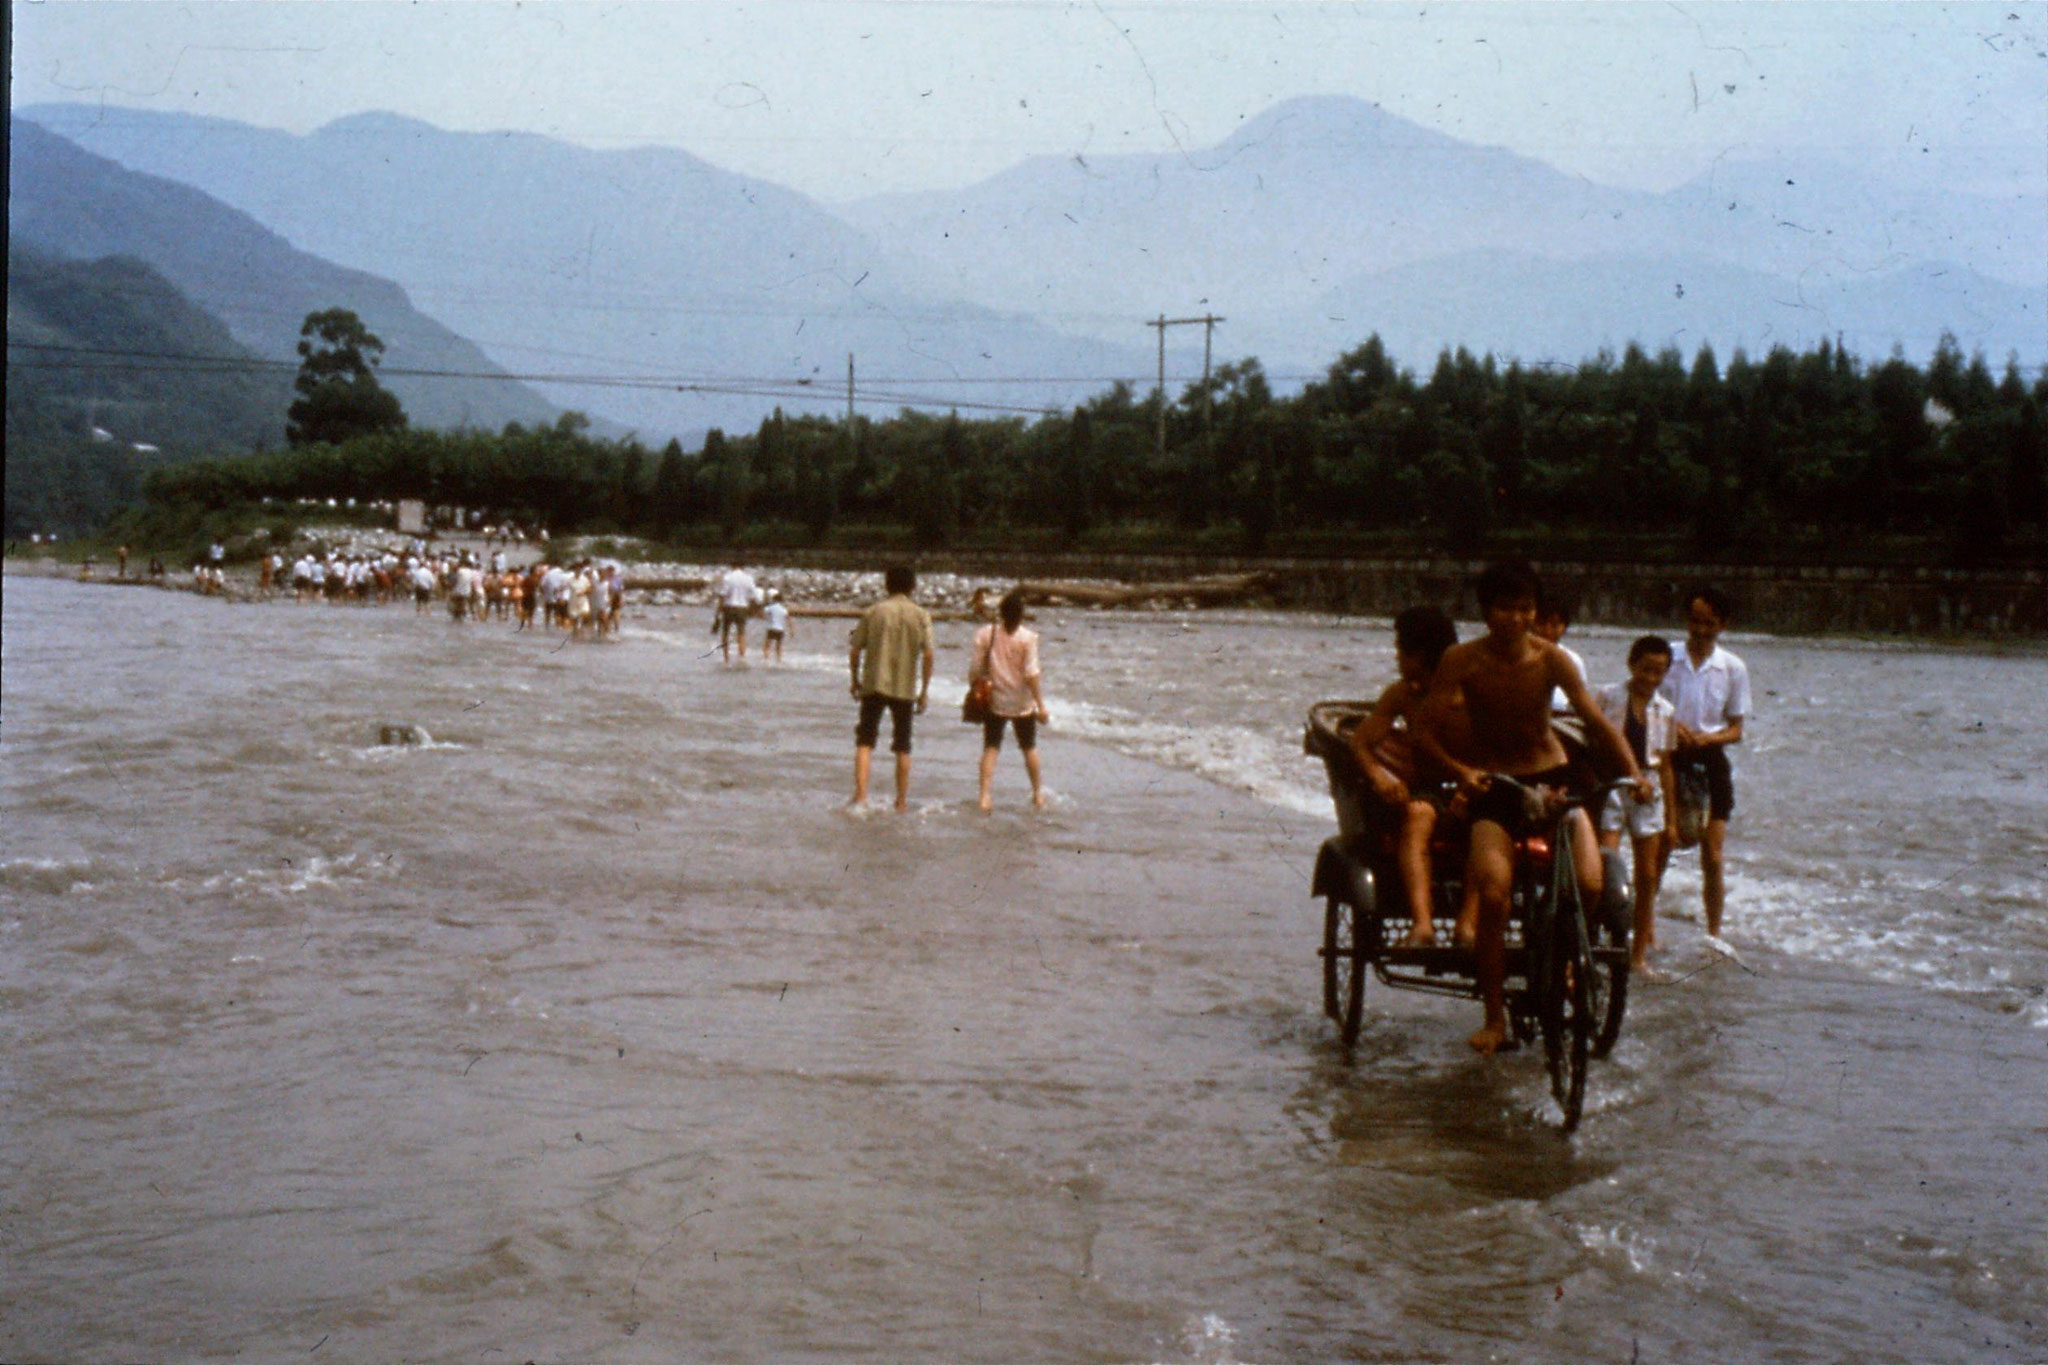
[(839, 99)]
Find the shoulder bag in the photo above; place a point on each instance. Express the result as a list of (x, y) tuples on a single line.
[(981, 685)]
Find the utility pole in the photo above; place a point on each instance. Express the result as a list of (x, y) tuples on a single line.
[(1208, 323), (849, 392), (1159, 394)]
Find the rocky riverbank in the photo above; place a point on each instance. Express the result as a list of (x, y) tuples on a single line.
[(1920, 602)]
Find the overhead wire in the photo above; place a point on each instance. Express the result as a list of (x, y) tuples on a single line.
[(89, 358)]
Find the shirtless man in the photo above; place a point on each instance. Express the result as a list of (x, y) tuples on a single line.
[(1505, 679)]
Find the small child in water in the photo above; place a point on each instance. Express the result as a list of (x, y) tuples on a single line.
[(776, 617), (1648, 723)]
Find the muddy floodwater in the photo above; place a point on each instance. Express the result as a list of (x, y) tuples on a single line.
[(593, 1029)]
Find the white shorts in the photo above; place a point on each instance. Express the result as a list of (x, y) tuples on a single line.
[(1640, 818)]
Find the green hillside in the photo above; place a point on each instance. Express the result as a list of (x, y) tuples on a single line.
[(93, 372), (68, 203)]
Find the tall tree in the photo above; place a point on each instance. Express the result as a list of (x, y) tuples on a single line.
[(671, 490), (725, 462), (339, 396)]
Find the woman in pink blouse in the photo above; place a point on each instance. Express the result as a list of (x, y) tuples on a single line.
[(1007, 654)]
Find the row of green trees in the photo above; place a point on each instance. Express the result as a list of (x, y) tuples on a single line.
[(1757, 457)]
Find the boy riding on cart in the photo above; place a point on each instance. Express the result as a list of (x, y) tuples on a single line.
[(1383, 746), (1504, 681)]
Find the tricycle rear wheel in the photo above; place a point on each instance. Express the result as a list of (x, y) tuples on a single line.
[(1343, 967)]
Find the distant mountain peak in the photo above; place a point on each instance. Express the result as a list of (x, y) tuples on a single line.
[(1308, 120), (376, 123)]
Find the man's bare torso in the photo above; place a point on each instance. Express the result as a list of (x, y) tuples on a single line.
[(1507, 706)]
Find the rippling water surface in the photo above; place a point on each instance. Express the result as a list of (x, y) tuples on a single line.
[(594, 1029)]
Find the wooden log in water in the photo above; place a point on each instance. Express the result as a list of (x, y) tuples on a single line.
[(1206, 591), (823, 611)]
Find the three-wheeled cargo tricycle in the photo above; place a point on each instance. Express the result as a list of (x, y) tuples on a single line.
[(1567, 963)]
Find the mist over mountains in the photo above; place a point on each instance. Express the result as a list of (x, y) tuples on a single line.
[(678, 281), (72, 204), (707, 298), (1329, 208)]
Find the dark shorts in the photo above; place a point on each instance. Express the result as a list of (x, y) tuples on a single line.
[(774, 635), (732, 616), (1711, 767), (1504, 805), (900, 714), (1026, 727)]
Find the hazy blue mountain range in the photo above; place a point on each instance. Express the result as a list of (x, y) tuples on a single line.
[(67, 202), (644, 263), (1516, 305), (1318, 222), (1325, 194)]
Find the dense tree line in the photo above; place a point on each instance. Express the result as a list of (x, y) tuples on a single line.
[(1788, 456)]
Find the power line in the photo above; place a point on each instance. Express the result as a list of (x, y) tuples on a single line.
[(109, 359), (647, 380)]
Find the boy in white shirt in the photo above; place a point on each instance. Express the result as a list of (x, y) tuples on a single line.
[(776, 617), (1708, 687), (1646, 722)]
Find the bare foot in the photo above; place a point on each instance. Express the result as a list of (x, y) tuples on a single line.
[(1422, 935), (902, 805), (1645, 972), (1038, 800), (1489, 1040), (984, 805), (1465, 935)]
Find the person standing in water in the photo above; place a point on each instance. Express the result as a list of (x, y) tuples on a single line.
[(735, 603), (1709, 689), (1006, 653), (776, 617), (885, 650), (1645, 721)]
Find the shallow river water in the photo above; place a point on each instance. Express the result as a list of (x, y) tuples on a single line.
[(596, 1030)]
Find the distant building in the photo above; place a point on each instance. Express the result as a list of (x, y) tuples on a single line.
[(412, 516)]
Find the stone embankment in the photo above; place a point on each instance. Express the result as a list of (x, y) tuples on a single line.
[(1925, 602), (2010, 603)]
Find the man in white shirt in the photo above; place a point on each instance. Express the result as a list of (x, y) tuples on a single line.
[(461, 590), (422, 579), (735, 601), (554, 592), (1708, 688)]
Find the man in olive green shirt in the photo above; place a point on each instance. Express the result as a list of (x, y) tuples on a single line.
[(883, 659)]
